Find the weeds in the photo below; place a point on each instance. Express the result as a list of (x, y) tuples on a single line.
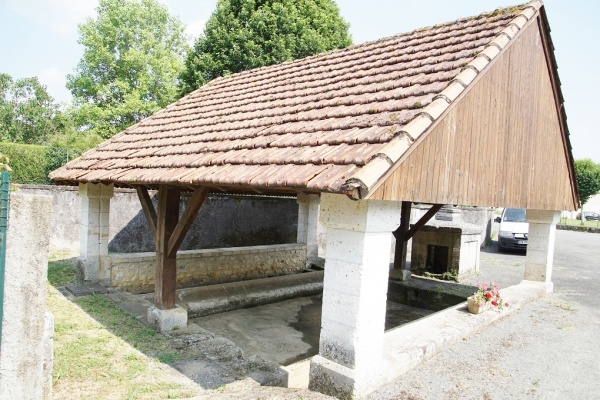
[(564, 306)]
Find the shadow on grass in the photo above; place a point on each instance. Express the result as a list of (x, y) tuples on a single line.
[(121, 324)]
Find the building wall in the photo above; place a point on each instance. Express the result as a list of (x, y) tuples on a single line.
[(515, 156)]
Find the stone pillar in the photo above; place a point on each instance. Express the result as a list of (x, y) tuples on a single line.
[(359, 237), (540, 246), (308, 223), (25, 336), (95, 208)]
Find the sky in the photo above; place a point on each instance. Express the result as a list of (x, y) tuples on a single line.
[(40, 39)]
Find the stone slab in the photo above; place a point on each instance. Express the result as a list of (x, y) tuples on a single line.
[(86, 289)]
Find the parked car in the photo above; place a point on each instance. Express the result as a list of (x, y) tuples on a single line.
[(514, 229), (589, 216)]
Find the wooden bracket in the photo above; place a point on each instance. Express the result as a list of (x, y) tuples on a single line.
[(148, 208), (424, 219), (186, 220), (405, 232)]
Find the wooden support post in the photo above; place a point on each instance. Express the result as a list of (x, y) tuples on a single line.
[(400, 235), (169, 231), (166, 264), (403, 235)]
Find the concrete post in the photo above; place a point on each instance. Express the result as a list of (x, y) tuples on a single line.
[(308, 223), (25, 327), (95, 208), (359, 237), (540, 246)]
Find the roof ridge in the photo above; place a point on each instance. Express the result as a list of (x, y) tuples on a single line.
[(367, 177), (347, 51)]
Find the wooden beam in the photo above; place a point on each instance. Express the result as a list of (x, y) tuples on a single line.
[(166, 265), (148, 208), (400, 235), (424, 219), (186, 220)]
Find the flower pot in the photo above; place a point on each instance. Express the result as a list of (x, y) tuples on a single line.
[(474, 307)]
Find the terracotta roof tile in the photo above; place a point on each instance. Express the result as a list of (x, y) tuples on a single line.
[(331, 122)]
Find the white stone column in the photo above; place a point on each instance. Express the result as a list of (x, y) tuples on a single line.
[(540, 246), (95, 208), (25, 336), (359, 236), (308, 223)]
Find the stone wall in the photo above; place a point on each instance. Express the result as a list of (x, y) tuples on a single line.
[(223, 221), (462, 246), (136, 272)]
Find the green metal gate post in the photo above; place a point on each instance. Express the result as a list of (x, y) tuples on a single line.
[(4, 198)]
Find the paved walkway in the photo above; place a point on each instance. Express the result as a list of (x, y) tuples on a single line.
[(547, 350)]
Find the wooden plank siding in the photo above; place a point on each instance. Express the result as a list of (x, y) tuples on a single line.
[(501, 145)]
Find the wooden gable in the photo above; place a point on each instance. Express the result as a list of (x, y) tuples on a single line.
[(502, 144)]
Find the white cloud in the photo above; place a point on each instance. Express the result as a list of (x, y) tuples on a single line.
[(194, 29), (55, 81), (61, 16)]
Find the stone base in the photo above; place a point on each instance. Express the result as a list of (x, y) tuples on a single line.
[(167, 320), (400, 274), (336, 380)]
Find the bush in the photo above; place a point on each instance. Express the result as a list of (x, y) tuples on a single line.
[(32, 164)]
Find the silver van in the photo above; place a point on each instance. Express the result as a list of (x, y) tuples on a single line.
[(513, 230)]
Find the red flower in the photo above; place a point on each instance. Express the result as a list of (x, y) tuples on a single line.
[(494, 303), (488, 295)]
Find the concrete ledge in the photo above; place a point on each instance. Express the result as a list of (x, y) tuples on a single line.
[(135, 272), (410, 344), (331, 378), (206, 300), (167, 320), (431, 294)]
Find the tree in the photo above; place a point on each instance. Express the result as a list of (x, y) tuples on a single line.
[(588, 180), (246, 34), (28, 114), (133, 55)]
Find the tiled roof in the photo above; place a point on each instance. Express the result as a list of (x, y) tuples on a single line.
[(332, 122)]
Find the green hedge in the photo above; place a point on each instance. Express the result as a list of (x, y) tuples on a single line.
[(31, 163)]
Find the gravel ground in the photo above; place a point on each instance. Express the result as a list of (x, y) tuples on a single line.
[(547, 350)]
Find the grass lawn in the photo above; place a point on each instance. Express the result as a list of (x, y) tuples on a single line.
[(101, 352), (576, 222)]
